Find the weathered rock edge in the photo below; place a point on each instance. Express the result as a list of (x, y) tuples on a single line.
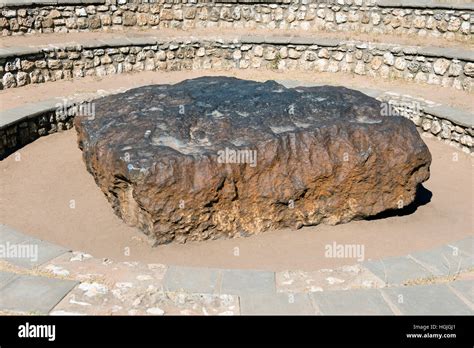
[(324, 155)]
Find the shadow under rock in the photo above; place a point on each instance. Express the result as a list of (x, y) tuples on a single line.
[(422, 197)]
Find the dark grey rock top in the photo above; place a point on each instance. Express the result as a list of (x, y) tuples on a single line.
[(199, 116)]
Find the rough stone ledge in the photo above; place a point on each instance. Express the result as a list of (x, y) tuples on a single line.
[(24, 3), (457, 116), (30, 65), (8, 53), (425, 4), (141, 41), (21, 113), (447, 52), (123, 41)]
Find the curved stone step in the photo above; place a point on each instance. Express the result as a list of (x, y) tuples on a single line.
[(446, 67)]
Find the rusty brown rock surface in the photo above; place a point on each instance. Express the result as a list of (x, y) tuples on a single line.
[(220, 157)]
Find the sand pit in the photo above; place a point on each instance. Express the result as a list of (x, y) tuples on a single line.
[(49, 194)]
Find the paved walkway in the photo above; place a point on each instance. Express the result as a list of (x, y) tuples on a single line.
[(37, 277)]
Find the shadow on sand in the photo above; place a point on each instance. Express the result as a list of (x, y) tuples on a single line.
[(423, 196)]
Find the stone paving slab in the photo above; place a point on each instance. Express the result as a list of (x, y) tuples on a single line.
[(8, 234), (397, 270), (444, 261), (114, 41), (278, 40), (458, 116), (93, 43), (354, 302), (86, 1), (45, 2), (19, 51), (142, 40), (276, 304), (191, 279), (17, 114), (465, 245), (134, 288), (327, 42), (11, 3), (342, 278), (252, 39), (69, 2), (46, 251), (465, 288), (32, 294), (6, 277), (433, 299), (247, 282), (93, 298), (86, 268), (302, 40), (27, 252), (448, 52)]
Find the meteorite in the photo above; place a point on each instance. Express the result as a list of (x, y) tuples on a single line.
[(216, 157)]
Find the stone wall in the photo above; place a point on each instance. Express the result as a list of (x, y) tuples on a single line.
[(18, 134), (440, 122), (448, 21), (447, 67)]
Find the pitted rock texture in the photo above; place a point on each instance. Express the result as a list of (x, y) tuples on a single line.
[(220, 157)]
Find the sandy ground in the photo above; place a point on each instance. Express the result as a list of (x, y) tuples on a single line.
[(37, 190), (55, 38), (15, 97)]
